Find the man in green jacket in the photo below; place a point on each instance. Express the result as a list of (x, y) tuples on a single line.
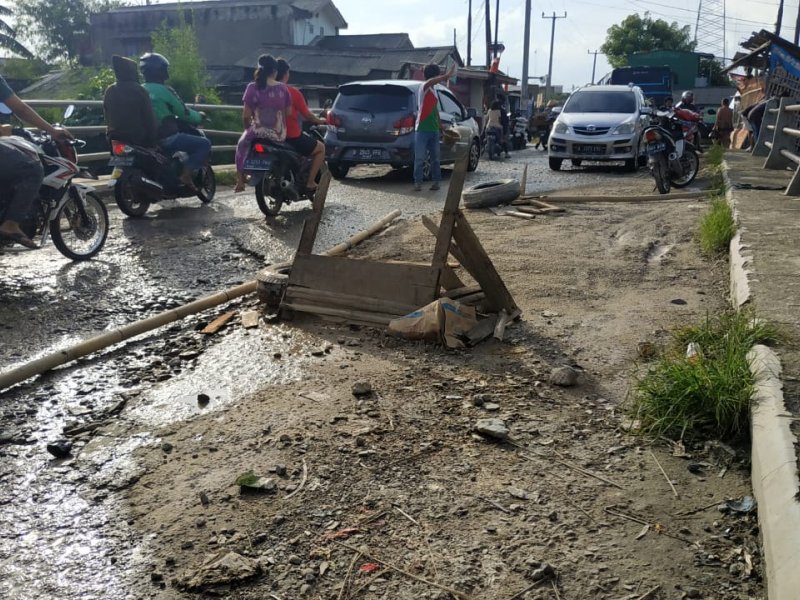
[(170, 109)]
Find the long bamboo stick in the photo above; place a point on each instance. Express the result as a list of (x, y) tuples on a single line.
[(104, 340)]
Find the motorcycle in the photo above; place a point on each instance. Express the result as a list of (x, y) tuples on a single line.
[(671, 158), (70, 213), (519, 132), (491, 142), (142, 176), (278, 173)]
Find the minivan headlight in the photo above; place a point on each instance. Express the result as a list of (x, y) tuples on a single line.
[(561, 128), (624, 129)]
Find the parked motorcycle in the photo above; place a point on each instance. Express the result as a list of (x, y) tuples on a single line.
[(278, 173), (671, 158), (519, 132), (491, 142), (71, 213), (142, 176)]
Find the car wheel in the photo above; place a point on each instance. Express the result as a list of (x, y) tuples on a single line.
[(555, 163), (427, 170), (474, 155), (491, 193), (338, 171)]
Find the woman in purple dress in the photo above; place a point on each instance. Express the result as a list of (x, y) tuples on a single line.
[(267, 107)]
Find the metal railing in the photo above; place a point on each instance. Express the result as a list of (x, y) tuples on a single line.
[(95, 129), (779, 139)]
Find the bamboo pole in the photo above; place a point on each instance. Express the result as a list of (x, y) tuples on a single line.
[(677, 195), (104, 340)]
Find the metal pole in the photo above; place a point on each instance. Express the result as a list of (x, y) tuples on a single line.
[(549, 83), (797, 28), (488, 20), (496, 25), (469, 35), (526, 48), (594, 63), (779, 21)]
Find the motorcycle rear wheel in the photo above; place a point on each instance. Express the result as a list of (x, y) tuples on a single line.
[(269, 205), (80, 228), (129, 201), (661, 174), (691, 165)]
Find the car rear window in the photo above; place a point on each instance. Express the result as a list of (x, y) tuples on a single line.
[(601, 102), (375, 98)]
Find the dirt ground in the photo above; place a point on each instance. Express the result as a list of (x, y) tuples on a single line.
[(575, 507)]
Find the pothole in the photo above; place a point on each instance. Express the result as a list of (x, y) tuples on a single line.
[(656, 252)]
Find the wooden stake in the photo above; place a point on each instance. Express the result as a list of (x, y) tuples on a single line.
[(449, 212), (311, 225), (218, 323), (523, 185)]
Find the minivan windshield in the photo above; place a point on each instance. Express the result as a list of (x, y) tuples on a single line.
[(601, 102), (375, 99)]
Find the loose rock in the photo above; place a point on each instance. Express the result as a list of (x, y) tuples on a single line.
[(564, 376), (362, 388), (493, 428)]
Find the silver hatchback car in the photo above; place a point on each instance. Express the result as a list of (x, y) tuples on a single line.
[(600, 123)]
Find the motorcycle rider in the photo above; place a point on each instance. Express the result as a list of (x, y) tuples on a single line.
[(687, 101), (21, 172), (303, 143), (128, 111), (493, 122), (169, 110)]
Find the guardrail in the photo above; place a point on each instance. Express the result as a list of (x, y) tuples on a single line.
[(779, 139)]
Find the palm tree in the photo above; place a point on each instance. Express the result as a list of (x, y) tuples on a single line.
[(7, 39)]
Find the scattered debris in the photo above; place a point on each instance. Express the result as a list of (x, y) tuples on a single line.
[(493, 428), (302, 480), (369, 567), (203, 400), (250, 319), (664, 473), (218, 323), (362, 388), (251, 483), (744, 506), (220, 568), (444, 320), (564, 376), (60, 449)]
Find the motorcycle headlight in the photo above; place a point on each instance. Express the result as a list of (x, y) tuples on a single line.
[(561, 128), (624, 129)]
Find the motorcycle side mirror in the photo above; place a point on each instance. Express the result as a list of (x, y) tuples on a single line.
[(69, 111)]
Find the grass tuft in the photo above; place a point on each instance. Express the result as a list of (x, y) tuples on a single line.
[(717, 228), (708, 393), (225, 178)]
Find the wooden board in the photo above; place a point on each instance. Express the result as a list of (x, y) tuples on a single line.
[(481, 268), (311, 225), (218, 323), (301, 295), (450, 210), (409, 284)]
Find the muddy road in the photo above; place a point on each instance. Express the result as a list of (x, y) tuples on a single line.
[(69, 527)]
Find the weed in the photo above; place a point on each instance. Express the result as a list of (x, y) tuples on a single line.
[(717, 228), (710, 390), (225, 177)]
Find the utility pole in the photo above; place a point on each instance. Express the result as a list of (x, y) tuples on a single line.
[(779, 22), (797, 28), (526, 48), (469, 35), (496, 25), (594, 62), (488, 20), (549, 83)]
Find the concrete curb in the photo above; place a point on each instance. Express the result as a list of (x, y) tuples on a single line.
[(774, 461)]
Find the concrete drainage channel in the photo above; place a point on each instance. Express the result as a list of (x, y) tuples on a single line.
[(774, 460)]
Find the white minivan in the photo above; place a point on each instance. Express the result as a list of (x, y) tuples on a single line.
[(600, 123)]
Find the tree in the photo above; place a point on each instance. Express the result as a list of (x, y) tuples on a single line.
[(187, 69), (644, 34), (712, 69), (58, 27), (8, 38)]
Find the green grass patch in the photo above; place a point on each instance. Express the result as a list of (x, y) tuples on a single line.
[(717, 228), (715, 155), (709, 393), (225, 178)]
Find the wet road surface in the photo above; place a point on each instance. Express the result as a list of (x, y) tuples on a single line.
[(63, 531)]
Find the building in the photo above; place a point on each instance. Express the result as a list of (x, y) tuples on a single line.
[(226, 29), (686, 70)]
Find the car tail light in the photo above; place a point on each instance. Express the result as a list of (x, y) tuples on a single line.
[(651, 136), (404, 125), (334, 120), (120, 149), (260, 148)]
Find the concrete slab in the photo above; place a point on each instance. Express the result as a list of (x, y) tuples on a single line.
[(765, 271)]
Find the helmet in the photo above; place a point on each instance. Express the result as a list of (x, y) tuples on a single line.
[(687, 96), (155, 67)]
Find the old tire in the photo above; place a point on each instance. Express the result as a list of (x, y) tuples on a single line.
[(555, 163), (271, 286), (491, 193)]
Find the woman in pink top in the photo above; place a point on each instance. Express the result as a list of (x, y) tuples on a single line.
[(267, 108)]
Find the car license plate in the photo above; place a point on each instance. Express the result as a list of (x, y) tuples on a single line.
[(590, 149), (121, 161), (258, 164), (656, 148), (369, 153)]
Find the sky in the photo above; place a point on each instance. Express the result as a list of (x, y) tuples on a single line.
[(431, 23)]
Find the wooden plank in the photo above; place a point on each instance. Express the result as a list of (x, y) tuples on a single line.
[(344, 313), (523, 184), (480, 266), (531, 211), (462, 291), (414, 285), (311, 225), (449, 279), (445, 236), (434, 229), (357, 302), (218, 323)]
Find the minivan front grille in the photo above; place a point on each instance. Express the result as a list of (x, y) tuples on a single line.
[(591, 130)]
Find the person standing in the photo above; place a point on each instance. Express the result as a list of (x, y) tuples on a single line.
[(428, 126), (723, 124)]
